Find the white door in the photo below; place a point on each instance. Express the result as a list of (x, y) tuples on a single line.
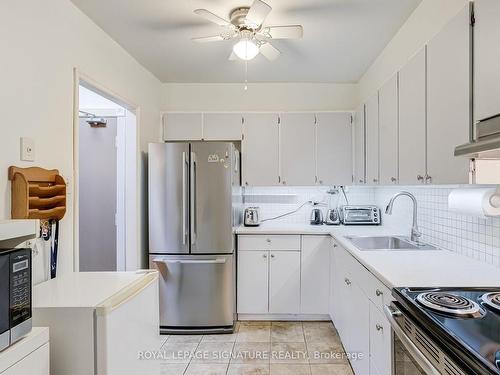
[(486, 59), (315, 274), (260, 149), (252, 282), (359, 146), (297, 149), (334, 148), (182, 126), (222, 126), (372, 140), (412, 120), (449, 100), (359, 328), (284, 282), (388, 131)]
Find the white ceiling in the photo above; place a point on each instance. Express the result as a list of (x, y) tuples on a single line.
[(341, 37)]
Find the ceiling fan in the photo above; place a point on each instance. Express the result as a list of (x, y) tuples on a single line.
[(245, 25)]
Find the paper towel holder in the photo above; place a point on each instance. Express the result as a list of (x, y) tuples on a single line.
[(495, 199)]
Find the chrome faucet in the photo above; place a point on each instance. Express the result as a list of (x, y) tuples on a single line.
[(415, 233)]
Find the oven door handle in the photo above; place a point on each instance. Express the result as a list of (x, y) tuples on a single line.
[(417, 355)]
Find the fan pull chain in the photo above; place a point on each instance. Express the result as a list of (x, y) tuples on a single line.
[(246, 75)]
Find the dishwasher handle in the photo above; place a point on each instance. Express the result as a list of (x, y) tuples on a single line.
[(390, 313)]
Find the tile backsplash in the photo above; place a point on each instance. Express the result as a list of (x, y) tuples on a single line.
[(478, 238)]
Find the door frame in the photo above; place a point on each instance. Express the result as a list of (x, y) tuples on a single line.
[(132, 203)]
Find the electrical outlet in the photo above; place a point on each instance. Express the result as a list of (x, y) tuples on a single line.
[(27, 149)]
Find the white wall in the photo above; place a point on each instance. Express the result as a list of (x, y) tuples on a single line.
[(258, 97), (42, 42), (425, 22)]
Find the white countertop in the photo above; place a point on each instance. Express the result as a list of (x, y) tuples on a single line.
[(398, 268), (38, 337), (82, 289)]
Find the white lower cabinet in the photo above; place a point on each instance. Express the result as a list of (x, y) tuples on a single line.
[(253, 268), (315, 274), (356, 313), (380, 342), (284, 282)]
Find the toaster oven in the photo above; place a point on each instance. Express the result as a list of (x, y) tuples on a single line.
[(360, 215)]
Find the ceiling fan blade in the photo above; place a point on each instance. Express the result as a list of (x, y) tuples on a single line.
[(269, 51), (285, 32), (257, 13), (233, 57), (209, 16), (207, 39)]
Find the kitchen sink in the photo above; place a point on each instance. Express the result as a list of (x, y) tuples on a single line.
[(365, 243)]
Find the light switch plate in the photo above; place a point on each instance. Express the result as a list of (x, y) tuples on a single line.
[(27, 149)]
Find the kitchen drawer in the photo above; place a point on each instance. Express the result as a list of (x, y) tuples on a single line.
[(269, 242)]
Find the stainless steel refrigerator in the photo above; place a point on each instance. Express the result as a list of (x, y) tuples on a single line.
[(194, 204)]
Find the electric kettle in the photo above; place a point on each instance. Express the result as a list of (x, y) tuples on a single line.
[(316, 217)]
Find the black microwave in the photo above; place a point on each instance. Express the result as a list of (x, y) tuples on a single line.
[(15, 295)]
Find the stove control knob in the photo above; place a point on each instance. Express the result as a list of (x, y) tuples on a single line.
[(497, 359)]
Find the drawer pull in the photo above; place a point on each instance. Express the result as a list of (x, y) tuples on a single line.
[(272, 255), (379, 327), (264, 256), (378, 292), (268, 240)]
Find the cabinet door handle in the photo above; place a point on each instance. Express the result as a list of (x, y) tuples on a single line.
[(378, 292), (420, 178), (347, 281), (264, 256), (379, 327), (272, 255), (393, 179), (428, 178), (335, 245), (375, 180)]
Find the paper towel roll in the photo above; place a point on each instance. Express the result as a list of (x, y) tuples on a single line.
[(481, 202)]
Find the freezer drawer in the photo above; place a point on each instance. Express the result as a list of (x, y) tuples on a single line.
[(196, 291)]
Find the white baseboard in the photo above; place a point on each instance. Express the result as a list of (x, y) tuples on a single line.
[(285, 317)]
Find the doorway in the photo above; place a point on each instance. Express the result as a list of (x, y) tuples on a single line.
[(106, 179)]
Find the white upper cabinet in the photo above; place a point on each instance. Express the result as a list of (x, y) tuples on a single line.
[(388, 128), (372, 140), (486, 59), (297, 149), (260, 150), (412, 120), (222, 126), (359, 145), (449, 100), (183, 126), (334, 148)]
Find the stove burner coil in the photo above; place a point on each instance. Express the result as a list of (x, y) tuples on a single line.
[(450, 304), (492, 300)]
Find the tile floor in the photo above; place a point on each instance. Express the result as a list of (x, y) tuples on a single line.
[(258, 348)]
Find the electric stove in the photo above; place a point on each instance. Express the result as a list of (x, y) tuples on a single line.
[(462, 323)]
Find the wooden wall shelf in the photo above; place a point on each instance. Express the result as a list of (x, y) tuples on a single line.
[(37, 193)]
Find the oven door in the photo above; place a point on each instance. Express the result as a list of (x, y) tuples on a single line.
[(408, 358)]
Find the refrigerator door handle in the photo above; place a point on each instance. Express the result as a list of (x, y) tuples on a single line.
[(191, 261), (193, 198), (184, 198)]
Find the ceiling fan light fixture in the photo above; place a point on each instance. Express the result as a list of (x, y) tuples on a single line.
[(246, 49)]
